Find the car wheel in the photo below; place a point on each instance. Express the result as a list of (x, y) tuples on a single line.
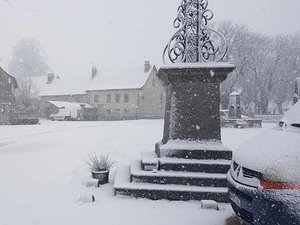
[(52, 118)]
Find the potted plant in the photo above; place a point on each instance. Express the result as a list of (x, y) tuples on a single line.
[(100, 166)]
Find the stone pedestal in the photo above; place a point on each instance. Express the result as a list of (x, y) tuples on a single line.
[(193, 102), (190, 163)]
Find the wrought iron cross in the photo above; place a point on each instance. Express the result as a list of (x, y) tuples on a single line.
[(194, 40)]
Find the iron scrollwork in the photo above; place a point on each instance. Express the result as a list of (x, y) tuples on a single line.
[(194, 40)]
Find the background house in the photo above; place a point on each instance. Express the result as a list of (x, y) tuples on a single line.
[(118, 93), (8, 85), (133, 93)]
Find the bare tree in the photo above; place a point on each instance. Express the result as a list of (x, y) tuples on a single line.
[(27, 98), (28, 59), (265, 67)]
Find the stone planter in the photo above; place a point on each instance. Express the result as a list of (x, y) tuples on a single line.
[(101, 176)]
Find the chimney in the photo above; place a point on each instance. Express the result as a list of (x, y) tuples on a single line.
[(147, 66), (94, 71), (50, 78)]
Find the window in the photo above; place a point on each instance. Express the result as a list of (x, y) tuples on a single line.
[(126, 97), (126, 111), (96, 98), (117, 97), (161, 98), (108, 98), (108, 111)]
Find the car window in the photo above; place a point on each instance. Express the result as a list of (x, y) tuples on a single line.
[(296, 125)]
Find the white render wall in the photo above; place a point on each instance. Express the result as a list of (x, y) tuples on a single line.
[(146, 102), (153, 98), (114, 110)]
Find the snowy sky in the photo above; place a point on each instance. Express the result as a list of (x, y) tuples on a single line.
[(77, 33)]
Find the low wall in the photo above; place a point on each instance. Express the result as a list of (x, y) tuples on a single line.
[(269, 118)]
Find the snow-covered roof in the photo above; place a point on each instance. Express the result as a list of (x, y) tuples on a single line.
[(64, 86), (120, 78), (13, 79), (106, 79), (60, 104)]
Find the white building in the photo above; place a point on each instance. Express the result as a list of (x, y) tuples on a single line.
[(118, 93)]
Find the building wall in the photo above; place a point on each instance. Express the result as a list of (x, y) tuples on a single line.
[(152, 98), (7, 96), (147, 102), (115, 104)]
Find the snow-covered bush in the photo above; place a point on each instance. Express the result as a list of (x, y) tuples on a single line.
[(100, 163)]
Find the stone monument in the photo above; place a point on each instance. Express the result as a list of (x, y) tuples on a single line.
[(234, 105), (190, 162)]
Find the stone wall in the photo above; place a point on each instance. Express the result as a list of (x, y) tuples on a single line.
[(7, 96)]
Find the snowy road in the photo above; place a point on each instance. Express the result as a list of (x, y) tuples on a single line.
[(43, 174)]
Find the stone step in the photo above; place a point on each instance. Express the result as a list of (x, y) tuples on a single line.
[(150, 161), (194, 165), (124, 186), (175, 177), (193, 150)]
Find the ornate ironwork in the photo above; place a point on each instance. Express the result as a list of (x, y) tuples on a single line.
[(194, 41)]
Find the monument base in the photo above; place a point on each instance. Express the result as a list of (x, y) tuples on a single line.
[(177, 178), (190, 163), (193, 149)]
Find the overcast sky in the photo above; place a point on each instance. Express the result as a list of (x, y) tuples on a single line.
[(77, 33)]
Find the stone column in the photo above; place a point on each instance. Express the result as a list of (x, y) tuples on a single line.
[(193, 101)]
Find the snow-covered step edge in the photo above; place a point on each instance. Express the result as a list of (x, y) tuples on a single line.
[(136, 170), (166, 160), (193, 145), (149, 157), (149, 160), (123, 182), (194, 154)]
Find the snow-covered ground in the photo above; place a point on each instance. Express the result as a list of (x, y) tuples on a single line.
[(43, 175)]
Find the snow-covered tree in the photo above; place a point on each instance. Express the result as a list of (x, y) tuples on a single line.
[(266, 67), (28, 59)]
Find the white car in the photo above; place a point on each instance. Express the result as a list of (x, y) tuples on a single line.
[(264, 178)]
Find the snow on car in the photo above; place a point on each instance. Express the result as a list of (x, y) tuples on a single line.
[(264, 179)]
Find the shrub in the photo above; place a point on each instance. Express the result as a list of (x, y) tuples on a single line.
[(100, 163)]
